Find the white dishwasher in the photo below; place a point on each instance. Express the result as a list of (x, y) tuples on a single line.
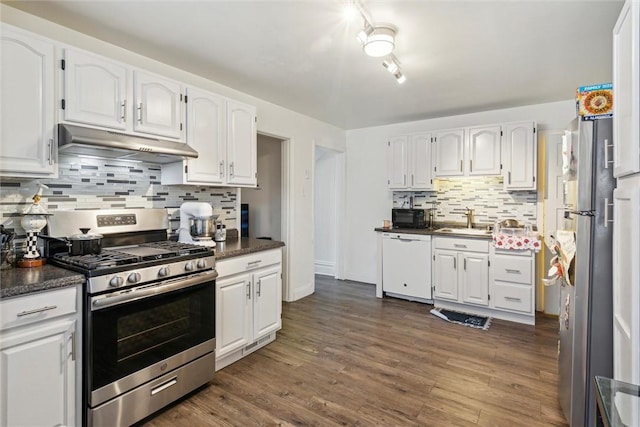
[(406, 266)]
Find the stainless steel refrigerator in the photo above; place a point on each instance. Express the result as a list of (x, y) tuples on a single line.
[(586, 337)]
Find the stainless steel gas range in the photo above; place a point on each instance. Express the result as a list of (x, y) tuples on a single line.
[(148, 312)]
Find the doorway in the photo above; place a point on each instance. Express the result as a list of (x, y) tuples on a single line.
[(328, 206), (268, 204)]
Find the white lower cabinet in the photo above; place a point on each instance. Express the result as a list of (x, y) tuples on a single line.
[(461, 270), (512, 279), (248, 304), (40, 360), (406, 270)]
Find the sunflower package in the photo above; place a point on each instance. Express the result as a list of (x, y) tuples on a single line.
[(595, 101)]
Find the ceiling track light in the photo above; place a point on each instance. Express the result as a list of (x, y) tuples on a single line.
[(378, 40)]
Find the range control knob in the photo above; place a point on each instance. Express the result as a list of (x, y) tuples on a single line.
[(133, 278), (163, 272), (201, 263), (189, 266), (116, 281)]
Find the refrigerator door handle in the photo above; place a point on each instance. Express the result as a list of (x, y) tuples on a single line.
[(606, 212), (607, 162)]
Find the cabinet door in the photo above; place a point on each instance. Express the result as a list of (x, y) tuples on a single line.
[(233, 313), (94, 90), (206, 134), (406, 269), (520, 154), (158, 103), (484, 150), (420, 162), (626, 91), (267, 301), (26, 106), (397, 162), (38, 375), (445, 274), (449, 153), (626, 276), (242, 144), (474, 278)]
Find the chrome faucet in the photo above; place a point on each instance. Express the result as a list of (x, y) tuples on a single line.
[(470, 219)]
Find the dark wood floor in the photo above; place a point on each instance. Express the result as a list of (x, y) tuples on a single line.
[(344, 357)]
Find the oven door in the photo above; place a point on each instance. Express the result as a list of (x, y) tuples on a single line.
[(138, 334)]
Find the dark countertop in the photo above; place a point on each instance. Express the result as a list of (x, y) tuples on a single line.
[(432, 231), (244, 246), (20, 281)]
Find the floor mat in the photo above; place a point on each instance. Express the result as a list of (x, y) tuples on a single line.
[(479, 322)]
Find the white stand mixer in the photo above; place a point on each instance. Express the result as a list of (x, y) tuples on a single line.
[(188, 211)]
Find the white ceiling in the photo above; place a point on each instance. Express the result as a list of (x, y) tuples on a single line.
[(458, 56)]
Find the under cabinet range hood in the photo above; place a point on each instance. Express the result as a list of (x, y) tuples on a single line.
[(80, 140)]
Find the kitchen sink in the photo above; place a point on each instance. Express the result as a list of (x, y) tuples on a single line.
[(470, 231)]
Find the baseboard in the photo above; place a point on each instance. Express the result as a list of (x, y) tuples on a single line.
[(303, 291), (234, 356), (326, 268), (358, 277)]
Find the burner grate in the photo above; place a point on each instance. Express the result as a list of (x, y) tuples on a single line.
[(178, 248), (107, 258)]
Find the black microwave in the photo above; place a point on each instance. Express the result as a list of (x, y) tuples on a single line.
[(409, 218)]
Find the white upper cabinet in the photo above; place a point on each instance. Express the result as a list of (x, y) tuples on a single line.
[(419, 161), (449, 152), (484, 150), (158, 104), (206, 133), (519, 153), (27, 142), (95, 90), (101, 92), (409, 162), (397, 162), (242, 148), (626, 91)]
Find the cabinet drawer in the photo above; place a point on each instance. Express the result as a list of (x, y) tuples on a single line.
[(466, 245), (240, 264), (510, 268), (512, 297), (28, 309)]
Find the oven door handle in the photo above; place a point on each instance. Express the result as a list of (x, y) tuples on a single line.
[(116, 298)]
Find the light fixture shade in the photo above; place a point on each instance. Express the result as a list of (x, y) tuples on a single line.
[(380, 42)]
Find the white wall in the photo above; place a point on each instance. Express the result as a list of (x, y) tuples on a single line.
[(325, 211), (274, 120), (265, 201), (368, 202)]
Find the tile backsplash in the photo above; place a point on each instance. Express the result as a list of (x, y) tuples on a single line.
[(486, 196), (87, 183)]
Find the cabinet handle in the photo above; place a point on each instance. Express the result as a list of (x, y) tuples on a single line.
[(404, 180), (404, 240), (454, 263), (231, 170), (221, 168), (253, 264), (470, 165), (51, 151), (512, 299), (456, 245), (258, 288), (412, 180), (72, 338), (461, 166), (140, 113), (509, 174), (124, 110), (37, 310), (606, 212), (465, 265), (508, 270), (248, 290)]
